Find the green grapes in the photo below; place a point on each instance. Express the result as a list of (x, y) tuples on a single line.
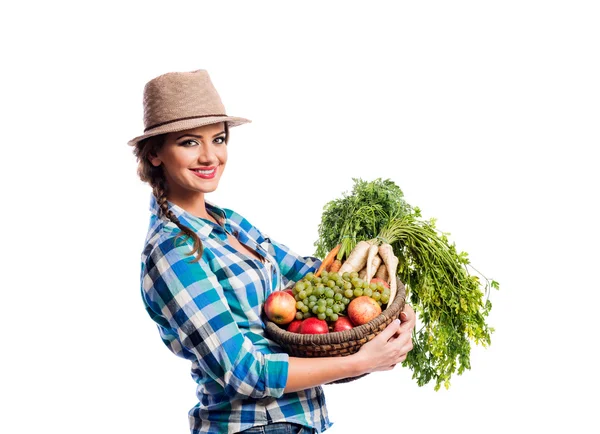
[(329, 295)]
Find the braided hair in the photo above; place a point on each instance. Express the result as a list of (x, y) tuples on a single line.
[(155, 176)]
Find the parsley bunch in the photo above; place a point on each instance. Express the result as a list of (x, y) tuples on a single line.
[(451, 303)]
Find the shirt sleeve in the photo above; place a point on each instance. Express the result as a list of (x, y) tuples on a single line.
[(293, 266), (190, 298)]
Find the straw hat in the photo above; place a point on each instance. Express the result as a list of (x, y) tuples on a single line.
[(179, 101)]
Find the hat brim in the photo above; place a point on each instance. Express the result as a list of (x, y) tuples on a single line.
[(186, 124)]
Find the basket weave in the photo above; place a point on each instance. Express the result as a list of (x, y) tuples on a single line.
[(337, 344)]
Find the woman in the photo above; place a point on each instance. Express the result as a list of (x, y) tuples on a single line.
[(206, 271)]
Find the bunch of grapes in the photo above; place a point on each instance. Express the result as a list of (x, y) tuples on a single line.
[(328, 296)]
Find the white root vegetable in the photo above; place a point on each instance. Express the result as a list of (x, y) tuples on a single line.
[(382, 272), (373, 263), (391, 262), (362, 273), (357, 259)]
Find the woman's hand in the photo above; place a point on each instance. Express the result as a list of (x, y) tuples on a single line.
[(381, 354), (390, 346)]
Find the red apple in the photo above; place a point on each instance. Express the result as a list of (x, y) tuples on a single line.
[(280, 307), (314, 326), (294, 326), (363, 309), (342, 323), (377, 280), (289, 291)]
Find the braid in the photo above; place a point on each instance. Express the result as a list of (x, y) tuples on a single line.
[(159, 188), (156, 178)]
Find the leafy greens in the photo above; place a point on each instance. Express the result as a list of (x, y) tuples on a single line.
[(450, 302)]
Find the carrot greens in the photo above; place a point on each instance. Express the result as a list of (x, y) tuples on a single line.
[(451, 302)]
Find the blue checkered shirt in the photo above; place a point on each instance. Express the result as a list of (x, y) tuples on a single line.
[(209, 312)]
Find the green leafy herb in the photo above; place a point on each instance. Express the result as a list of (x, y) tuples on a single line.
[(359, 216), (451, 302)]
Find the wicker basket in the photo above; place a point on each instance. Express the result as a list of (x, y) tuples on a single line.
[(337, 343)]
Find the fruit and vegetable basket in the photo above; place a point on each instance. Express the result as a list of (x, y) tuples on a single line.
[(340, 343), (378, 253), (329, 343)]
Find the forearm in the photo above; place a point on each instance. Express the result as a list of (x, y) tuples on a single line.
[(304, 373)]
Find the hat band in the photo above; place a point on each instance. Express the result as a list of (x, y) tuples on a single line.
[(181, 119)]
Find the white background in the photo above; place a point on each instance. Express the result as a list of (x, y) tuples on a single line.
[(484, 113)]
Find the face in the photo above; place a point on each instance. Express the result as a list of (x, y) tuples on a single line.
[(193, 160)]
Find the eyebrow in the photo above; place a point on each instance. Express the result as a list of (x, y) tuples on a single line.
[(199, 137)]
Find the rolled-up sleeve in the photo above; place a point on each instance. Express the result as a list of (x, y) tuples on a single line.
[(292, 265), (190, 298)]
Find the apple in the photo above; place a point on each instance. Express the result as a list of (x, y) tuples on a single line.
[(280, 307), (313, 326), (342, 323), (294, 326), (363, 309), (377, 280), (289, 291)]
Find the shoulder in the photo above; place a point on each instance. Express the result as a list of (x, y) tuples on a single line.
[(235, 217), (168, 243), (241, 222), (170, 266)]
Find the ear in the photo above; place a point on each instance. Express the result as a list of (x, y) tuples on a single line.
[(154, 160)]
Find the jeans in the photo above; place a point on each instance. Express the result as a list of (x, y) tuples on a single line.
[(280, 428)]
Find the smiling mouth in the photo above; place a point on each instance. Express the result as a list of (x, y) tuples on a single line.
[(205, 173)]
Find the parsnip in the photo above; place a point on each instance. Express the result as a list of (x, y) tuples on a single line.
[(357, 259), (374, 265), (382, 272), (391, 262), (362, 273)]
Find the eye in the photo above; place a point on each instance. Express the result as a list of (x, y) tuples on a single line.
[(189, 142), (220, 140)]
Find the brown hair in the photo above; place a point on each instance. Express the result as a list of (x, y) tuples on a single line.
[(155, 176)]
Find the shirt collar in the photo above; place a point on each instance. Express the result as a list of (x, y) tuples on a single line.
[(199, 225)]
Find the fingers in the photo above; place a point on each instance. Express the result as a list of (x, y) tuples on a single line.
[(390, 347), (408, 318), (408, 310), (408, 346), (403, 341), (406, 327), (390, 330), (403, 338), (402, 352), (407, 323), (407, 314)]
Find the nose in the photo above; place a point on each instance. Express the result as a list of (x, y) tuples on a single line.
[(207, 154)]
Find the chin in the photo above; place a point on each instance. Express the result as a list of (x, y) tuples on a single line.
[(208, 190), (208, 187)]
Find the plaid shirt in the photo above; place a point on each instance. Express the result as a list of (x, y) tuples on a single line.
[(209, 312)]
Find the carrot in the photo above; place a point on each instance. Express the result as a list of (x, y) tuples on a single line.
[(335, 266), (357, 259), (391, 262), (328, 259)]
